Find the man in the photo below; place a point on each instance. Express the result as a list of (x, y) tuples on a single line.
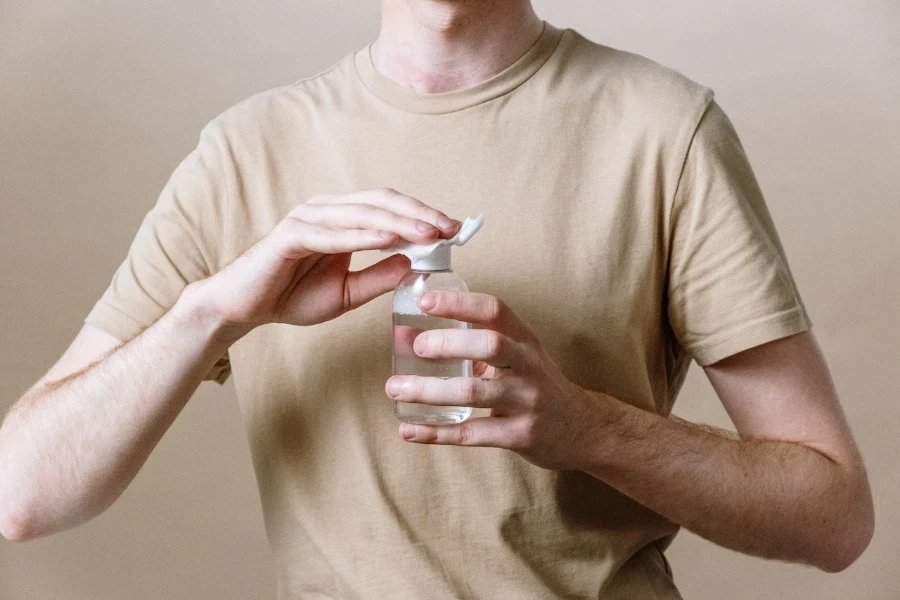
[(626, 235)]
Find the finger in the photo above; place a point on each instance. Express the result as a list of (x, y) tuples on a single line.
[(473, 344), (481, 309), (493, 432), (371, 282), (392, 200), (362, 216), (294, 239), (454, 391)]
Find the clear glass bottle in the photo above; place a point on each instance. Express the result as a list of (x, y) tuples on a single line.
[(410, 321)]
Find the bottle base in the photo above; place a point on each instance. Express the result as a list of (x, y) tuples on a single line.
[(434, 417)]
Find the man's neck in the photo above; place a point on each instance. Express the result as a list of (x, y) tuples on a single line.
[(433, 46)]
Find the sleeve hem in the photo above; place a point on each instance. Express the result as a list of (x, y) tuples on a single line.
[(756, 333), (113, 321)]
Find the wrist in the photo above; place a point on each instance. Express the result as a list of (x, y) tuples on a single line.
[(196, 308), (601, 429)]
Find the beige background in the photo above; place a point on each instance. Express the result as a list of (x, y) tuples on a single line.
[(100, 100)]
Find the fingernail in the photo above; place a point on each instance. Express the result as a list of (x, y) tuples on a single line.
[(407, 431), (419, 345), (384, 234), (394, 387), (445, 222), (428, 301), (423, 226)]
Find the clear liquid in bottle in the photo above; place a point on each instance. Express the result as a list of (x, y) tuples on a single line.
[(409, 322)]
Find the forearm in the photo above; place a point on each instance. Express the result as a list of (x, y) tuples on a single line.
[(69, 448), (774, 499)]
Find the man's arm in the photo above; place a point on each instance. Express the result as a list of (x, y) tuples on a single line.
[(74, 442), (791, 486)]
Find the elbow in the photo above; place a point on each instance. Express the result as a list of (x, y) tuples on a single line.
[(848, 542), (16, 525), (16, 528), (840, 557)]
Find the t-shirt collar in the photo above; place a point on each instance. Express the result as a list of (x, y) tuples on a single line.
[(501, 83)]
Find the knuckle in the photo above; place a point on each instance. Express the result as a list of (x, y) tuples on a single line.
[(464, 435), (492, 343), (533, 397), (360, 216), (528, 433), (421, 387), (288, 222), (516, 438), (515, 444), (283, 227), (388, 192), (317, 199), (443, 343), (425, 435), (316, 230), (494, 308), (287, 229), (470, 392)]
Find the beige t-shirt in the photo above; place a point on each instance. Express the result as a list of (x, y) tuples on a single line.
[(623, 222)]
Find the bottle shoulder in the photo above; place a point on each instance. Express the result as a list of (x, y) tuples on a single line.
[(423, 282), (414, 284)]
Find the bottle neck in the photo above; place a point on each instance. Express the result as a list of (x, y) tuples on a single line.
[(438, 260)]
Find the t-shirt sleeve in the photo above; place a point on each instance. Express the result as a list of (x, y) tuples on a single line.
[(729, 284), (178, 242)]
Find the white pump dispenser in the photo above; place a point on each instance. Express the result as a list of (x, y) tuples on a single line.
[(436, 256)]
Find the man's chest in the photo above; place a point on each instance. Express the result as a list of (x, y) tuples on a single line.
[(573, 238), (568, 202)]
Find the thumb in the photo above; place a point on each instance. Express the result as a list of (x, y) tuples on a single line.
[(371, 282)]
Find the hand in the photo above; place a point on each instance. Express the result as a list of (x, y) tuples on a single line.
[(298, 273), (535, 410)]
